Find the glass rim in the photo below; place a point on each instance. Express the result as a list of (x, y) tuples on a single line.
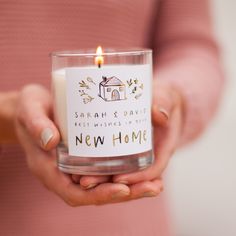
[(107, 52)]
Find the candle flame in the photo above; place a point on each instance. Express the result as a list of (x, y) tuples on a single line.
[(99, 59)]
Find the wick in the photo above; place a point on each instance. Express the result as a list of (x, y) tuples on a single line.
[(99, 65)]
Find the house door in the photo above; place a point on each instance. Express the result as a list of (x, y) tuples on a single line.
[(115, 95)]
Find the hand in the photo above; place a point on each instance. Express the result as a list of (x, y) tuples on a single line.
[(167, 116), (39, 136)]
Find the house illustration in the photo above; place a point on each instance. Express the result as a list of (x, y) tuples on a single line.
[(112, 89)]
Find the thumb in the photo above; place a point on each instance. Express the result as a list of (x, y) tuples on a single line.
[(162, 105), (34, 111)]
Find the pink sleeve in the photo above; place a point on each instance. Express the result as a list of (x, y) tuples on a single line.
[(186, 55)]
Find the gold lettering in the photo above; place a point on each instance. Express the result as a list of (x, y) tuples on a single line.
[(137, 136), (144, 135), (126, 138), (116, 138), (87, 140)]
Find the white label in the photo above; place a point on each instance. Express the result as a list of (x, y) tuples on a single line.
[(109, 110)]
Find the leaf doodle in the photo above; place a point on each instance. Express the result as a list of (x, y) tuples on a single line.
[(87, 99), (130, 82), (135, 87), (82, 93), (134, 90), (89, 79), (83, 84), (138, 96), (85, 96)]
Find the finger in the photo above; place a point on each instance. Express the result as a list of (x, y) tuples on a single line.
[(74, 194), (88, 182), (165, 142), (45, 168), (34, 111), (104, 193), (163, 150), (143, 189), (162, 154), (160, 115), (150, 173), (146, 189), (162, 104)]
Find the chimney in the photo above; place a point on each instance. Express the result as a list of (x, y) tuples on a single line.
[(104, 78)]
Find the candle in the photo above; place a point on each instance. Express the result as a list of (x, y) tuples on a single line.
[(99, 59), (103, 112)]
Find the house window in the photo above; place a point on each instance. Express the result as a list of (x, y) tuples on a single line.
[(108, 89), (121, 89)]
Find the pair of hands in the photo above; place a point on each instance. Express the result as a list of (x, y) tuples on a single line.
[(39, 136)]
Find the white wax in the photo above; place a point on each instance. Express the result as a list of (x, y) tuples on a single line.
[(60, 111)]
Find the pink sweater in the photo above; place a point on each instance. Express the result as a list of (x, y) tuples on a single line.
[(179, 31)]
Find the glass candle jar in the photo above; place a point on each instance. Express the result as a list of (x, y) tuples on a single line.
[(102, 107)]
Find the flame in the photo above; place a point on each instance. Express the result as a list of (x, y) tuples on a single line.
[(99, 59)]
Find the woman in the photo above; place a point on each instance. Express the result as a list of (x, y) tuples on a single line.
[(186, 94)]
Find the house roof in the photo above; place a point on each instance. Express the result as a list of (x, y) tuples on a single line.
[(112, 81)]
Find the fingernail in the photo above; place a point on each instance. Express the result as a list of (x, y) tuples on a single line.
[(90, 186), (120, 194), (122, 182), (46, 136), (164, 113), (149, 194)]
